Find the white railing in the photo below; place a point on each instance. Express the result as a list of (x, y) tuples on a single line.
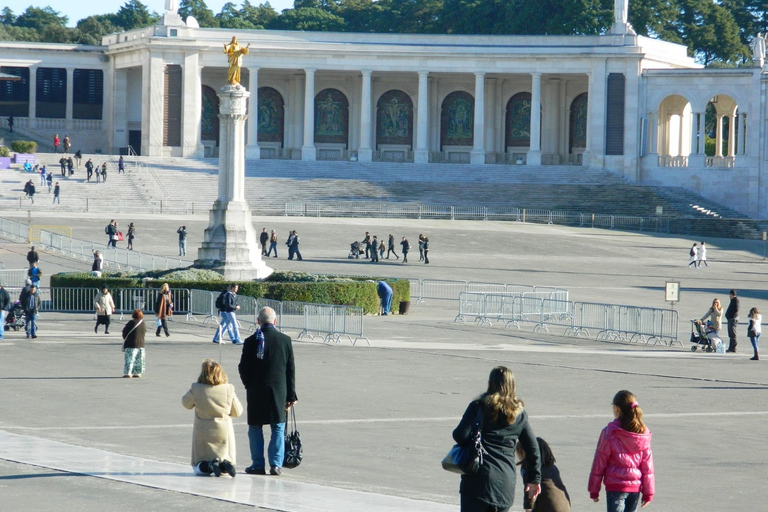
[(673, 161), (722, 162)]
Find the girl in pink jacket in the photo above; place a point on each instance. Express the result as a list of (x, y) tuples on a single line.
[(623, 458)]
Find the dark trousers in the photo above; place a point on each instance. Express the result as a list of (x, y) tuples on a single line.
[(732, 325), (392, 250), (164, 327), (426, 256), (102, 320), (472, 504)]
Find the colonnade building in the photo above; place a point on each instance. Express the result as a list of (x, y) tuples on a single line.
[(635, 106)]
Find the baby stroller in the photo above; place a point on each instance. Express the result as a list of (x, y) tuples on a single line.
[(355, 250), (15, 318), (705, 337)]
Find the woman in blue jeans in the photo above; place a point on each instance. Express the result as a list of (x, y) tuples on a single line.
[(753, 331)]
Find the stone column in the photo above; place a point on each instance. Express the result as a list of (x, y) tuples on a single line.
[(594, 155), (694, 134), (732, 120), (718, 135), (421, 155), (229, 245), (32, 96), (653, 126), (534, 153), (365, 151), (477, 156), (119, 109), (308, 150), (252, 150), (192, 105), (153, 84), (70, 100)]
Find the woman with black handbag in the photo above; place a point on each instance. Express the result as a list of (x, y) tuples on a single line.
[(503, 423)]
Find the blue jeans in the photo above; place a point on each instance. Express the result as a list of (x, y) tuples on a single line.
[(622, 501), (272, 247), (3, 314), (275, 450), (31, 324), (754, 341), (182, 247), (228, 324), (386, 303)]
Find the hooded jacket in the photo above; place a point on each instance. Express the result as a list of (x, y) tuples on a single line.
[(623, 460)]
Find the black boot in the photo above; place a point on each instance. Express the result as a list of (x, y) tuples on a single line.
[(755, 357)]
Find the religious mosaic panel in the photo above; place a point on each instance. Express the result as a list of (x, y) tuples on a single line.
[(578, 123), (14, 95), (209, 121), (457, 120), (394, 119), (331, 117), (271, 115), (518, 120)]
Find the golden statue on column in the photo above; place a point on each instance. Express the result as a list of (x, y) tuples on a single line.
[(235, 54)]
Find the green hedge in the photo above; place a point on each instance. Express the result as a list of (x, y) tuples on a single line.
[(4, 151), (24, 146), (345, 291)]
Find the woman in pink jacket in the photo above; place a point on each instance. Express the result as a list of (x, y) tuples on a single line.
[(623, 458)]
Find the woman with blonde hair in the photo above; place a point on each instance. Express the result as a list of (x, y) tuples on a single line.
[(163, 309), (213, 437), (499, 416), (715, 314)]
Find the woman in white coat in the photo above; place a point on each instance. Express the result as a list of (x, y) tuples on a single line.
[(105, 306), (213, 437)]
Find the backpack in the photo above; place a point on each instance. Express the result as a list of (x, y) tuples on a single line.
[(693, 252), (106, 229), (220, 301)]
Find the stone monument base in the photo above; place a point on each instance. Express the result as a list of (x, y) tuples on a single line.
[(230, 245)]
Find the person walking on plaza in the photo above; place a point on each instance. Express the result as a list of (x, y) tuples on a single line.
[(134, 333), (120, 165), (56, 143), (43, 176), (623, 459), (503, 423), (70, 167), (732, 316), (426, 250), (131, 235), (753, 330), (78, 158), (49, 181), (227, 306), (182, 232), (10, 123), (98, 262), (31, 191), (30, 302), (35, 274), (406, 246), (213, 436), (693, 253), (391, 247), (382, 249), (289, 243), (554, 496), (374, 249), (97, 171), (66, 144), (63, 166), (5, 306), (89, 169), (295, 245), (105, 306), (272, 244), (268, 373), (384, 291), (263, 239), (421, 247), (56, 193), (32, 257), (367, 241), (104, 172), (111, 231), (163, 309)]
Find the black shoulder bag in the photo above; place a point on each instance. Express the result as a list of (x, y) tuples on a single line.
[(293, 450), (467, 458)]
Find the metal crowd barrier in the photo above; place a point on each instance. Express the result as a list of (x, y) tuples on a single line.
[(13, 230), (513, 309), (442, 289), (13, 278)]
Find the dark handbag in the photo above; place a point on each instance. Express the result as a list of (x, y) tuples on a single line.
[(751, 333), (293, 450), (467, 458)]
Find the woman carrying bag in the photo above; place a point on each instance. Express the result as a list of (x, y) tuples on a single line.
[(133, 345), (104, 307), (163, 309)]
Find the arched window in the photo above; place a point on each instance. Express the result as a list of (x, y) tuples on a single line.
[(394, 119), (209, 120), (331, 117), (577, 138), (518, 120), (271, 120), (457, 120)]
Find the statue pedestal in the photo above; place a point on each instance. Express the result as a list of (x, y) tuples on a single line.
[(230, 245)]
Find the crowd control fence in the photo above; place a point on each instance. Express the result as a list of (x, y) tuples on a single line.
[(605, 321), (423, 290), (13, 277)]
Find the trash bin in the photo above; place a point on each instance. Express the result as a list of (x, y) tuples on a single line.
[(405, 306)]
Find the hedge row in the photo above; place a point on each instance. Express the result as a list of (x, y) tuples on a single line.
[(355, 292), (24, 146)]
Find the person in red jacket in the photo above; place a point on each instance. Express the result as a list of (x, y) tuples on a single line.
[(623, 458)]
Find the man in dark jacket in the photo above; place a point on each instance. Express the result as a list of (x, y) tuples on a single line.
[(32, 257), (5, 306), (228, 319), (732, 315), (263, 239), (295, 245), (367, 243), (268, 374), (31, 304)]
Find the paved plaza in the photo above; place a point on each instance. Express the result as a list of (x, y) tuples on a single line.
[(375, 421)]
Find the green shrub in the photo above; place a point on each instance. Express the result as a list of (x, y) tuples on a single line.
[(4, 151), (24, 146), (283, 286)]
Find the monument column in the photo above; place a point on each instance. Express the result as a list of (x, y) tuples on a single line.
[(69, 123), (365, 151), (594, 154), (694, 135), (230, 246), (421, 155), (534, 153), (477, 156), (308, 150), (252, 151), (32, 96), (192, 105), (732, 120), (718, 135)]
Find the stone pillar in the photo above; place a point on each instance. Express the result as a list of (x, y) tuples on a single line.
[(308, 150), (153, 85), (732, 120), (694, 135), (718, 135), (477, 156), (594, 155), (252, 150), (653, 126), (534, 152), (192, 106), (70, 99), (365, 151), (32, 96), (119, 109), (230, 244), (421, 155)]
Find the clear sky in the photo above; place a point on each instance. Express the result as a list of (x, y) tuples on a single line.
[(79, 9)]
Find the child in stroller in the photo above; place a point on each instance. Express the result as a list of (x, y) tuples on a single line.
[(355, 250), (706, 337), (15, 318)]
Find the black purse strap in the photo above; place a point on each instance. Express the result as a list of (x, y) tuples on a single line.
[(292, 419)]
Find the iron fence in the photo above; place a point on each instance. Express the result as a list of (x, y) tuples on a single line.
[(13, 278)]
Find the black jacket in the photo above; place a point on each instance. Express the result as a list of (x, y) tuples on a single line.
[(269, 382), (134, 338), (230, 302), (494, 483), (264, 237), (5, 301), (25, 303), (733, 309)]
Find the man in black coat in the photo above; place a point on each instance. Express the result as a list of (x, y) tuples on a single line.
[(732, 315), (32, 257), (268, 374), (5, 306), (263, 239)]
